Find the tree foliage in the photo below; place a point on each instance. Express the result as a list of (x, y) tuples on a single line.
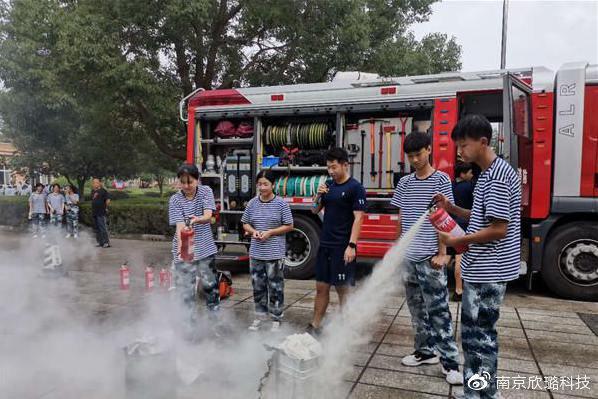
[(94, 79)]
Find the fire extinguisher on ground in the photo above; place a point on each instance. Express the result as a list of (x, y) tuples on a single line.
[(149, 277), (124, 277), (165, 278)]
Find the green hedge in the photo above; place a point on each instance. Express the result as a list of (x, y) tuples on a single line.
[(129, 217), (14, 210)]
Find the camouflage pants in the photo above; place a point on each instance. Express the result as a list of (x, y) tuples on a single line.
[(267, 279), (38, 221), (479, 315), (72, 221), (56, 220), (202, 272), (427, 298)]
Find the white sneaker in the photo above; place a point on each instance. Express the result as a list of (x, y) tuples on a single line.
[(255, 325), (67, 236), (275, 326), (453, 377), (76, 236), (417, 359), (35, 236)]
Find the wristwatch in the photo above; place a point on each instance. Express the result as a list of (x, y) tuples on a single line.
[(353, 245)]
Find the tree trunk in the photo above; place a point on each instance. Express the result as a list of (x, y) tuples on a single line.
[(160, 180), (81, 186)]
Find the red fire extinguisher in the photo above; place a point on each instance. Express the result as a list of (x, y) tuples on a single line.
[(187, 235), (165, 278), (124, 277), (149, 277), (442, 221)]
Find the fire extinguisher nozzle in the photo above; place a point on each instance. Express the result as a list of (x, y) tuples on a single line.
[(432, 204)]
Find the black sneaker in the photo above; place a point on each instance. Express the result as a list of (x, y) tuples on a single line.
[(417, 359), (313, 331), (456, 297)]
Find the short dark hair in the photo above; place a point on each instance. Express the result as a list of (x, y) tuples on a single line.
[(416, 141), (473, 126), (39, 185), (54, 185), (337, 154), (266, 174), (188, 169), (462, 167)]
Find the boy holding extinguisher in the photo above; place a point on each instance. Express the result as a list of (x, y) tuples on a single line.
[(425, 274)]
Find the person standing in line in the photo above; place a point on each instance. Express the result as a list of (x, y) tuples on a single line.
[(267, 219), (72, 212), (56, 204), (38, 209)]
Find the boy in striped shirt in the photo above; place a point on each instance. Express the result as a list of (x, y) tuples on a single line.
[(425, 274), (493, 236)]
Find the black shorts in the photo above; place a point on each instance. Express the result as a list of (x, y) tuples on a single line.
[(331, 268)]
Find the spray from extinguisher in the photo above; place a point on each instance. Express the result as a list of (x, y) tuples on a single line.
[(442, 221), (124, 276), (149, 277), (187, 235)]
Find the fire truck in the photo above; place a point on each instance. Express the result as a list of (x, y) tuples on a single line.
[(546, 128)]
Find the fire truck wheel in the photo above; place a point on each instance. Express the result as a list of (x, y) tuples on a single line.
[(570, 265), (302, 248)]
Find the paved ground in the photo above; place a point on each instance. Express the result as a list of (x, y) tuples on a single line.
[(541, 337)]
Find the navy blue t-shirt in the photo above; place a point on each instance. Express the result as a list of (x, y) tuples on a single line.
[(339, 204), (463, 195)]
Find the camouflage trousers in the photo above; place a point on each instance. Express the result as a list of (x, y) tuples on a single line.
[(427, 298), (72, 221), (56, 220), (479, 315), (267, 279), (200, 274), (38, 223)]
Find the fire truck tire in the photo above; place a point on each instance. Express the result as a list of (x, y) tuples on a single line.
[(302, 248), (570, 264)]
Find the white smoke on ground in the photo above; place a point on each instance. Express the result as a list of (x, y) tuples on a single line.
[(355, 325), (64, 337)]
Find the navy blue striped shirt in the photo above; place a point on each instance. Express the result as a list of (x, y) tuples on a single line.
[(412, 196), (497, 195), (264, 216), (180, 208)]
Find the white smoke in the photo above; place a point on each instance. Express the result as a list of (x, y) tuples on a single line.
[(55, 344), (355, 325)]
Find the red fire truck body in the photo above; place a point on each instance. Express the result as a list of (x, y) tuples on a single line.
[(546, 127)]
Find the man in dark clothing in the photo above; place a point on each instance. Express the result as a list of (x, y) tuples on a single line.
[(344, 201), (463, 195), (100, 199)]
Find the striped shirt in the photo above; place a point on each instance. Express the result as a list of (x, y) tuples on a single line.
[(180, 208), (38, 202), (497, 195), (56, 201), (412, 196), (264, 216)]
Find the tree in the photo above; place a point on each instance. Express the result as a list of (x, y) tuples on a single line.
[(134, 59)]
